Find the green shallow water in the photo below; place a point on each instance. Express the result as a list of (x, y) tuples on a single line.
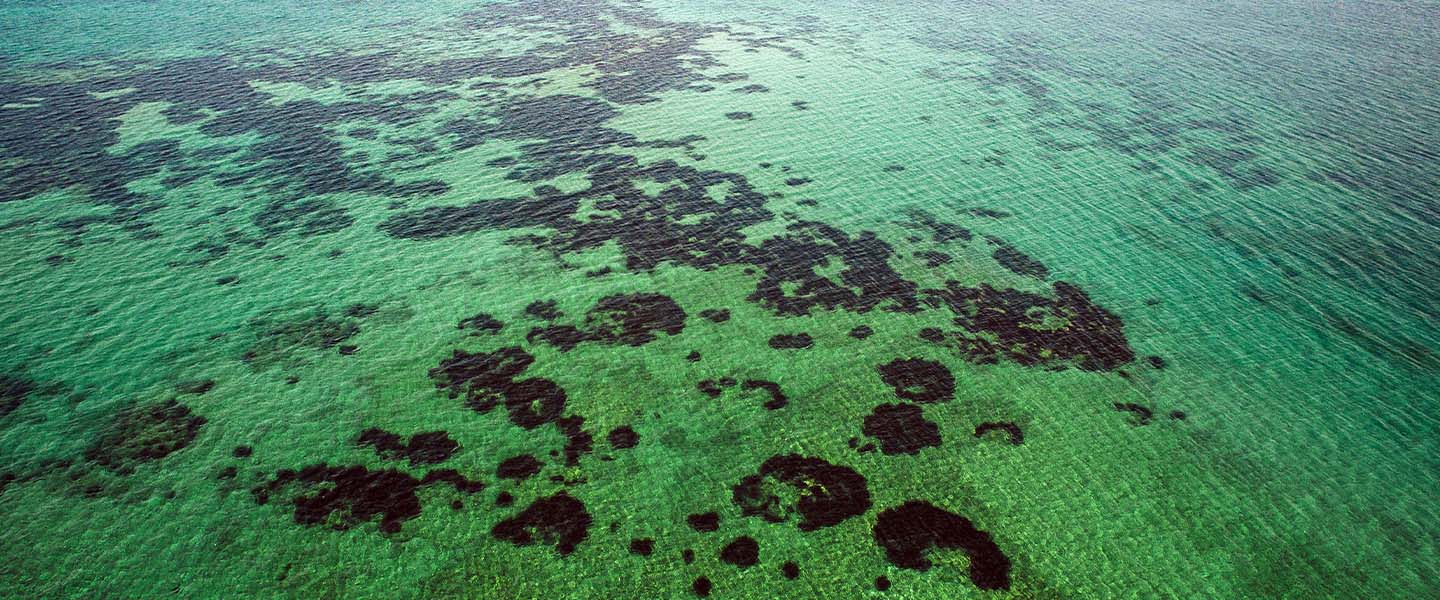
[(1187, 252)]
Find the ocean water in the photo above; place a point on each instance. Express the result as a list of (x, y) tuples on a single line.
[(747, 299)]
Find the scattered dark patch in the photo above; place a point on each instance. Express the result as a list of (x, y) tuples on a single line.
[(278, 338), (715, 315), (743, 552), (821, 493), (894, 168), (543, 309), (194, 386), (1017, 262), (642, 546), (934, 259), (693, 356), (348, 349), (901, 429), (360, 310), (940, 231), (908, 531), (242, 452), (919, 380), (559, 519), (623, 437), (704, 522), (800, 104), (227, 473), (777, 399), (504, 499), (739, 116), (687, 555), (425, 448), (1031, 329), (227, 279), (797, 181), (519, 467), (710, 388), (882, 583), (861, 332), (753, 88), (1156, 361), (630, 319), (790, 570), (988, 213), (1142, 414), (792, 341), (342, 497), (143, 433), (1011, 430), (1177, 415), (480, 323), (702, 586)]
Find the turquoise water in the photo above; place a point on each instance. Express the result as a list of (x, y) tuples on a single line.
[(667, 298)]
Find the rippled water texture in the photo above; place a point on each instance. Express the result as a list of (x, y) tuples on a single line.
[(747, 299)]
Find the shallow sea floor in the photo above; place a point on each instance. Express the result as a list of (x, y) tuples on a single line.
[(747, 299)]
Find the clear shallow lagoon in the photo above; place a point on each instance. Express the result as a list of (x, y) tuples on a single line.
[(586, 299)]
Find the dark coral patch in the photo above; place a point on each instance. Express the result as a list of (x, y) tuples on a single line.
[(342, 497), (908, 531), (693, 356), (1012, 431), (519, 467), (242, 452), (797, 181), (1032, 329), (543, 309), (702, 586), (790, 570), (743, 552), (704, 522), (534, 402), (792, 341), (642, 546), (480, 323), (482, 378), (1141, 413), (821, 493), (559, 519), (14, 390), (629, 319), (425, 448), (144, 433), (623, 437), (739, 116), (1156, 361), (1017, 262), (195, 386), (715, 315), (901, 429), (777, 399), (710, 388), (861, 332), (919, 380)]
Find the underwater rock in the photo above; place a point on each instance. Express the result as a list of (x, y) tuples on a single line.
[(777, 399), (901, 429), (144, 433), (919, 380), (543, 309), (480, 323), (908, 531), (1011, 430), (792, 341), (342, 497), (1031, 329), (1142, 414), (14, 390), (519, 467), (425, 448), (623, 437), (559, 519), (743, 552), (629, 319), (822, 494), (704, 522)]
